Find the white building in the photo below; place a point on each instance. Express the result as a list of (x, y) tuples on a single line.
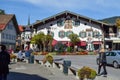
[(8, 30), (91, 32)]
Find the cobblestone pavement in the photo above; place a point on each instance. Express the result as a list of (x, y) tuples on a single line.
[(23, 71)]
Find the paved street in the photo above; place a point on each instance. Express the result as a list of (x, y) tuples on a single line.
[(79, 61), (23, 71)]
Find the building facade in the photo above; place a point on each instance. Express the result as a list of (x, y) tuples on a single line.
[(92, 33), (8, 30)]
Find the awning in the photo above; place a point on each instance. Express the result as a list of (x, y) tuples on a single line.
[(82, 43), (54, 42), (97, 42), (116, 41)]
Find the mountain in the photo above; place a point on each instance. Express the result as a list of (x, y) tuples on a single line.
[(111, 20), (2, 11)]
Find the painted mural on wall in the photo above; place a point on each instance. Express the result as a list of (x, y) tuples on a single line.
[(68, 24)]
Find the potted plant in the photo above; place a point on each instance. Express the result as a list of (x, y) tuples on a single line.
[(86, 72), (13, 57), (48, 58)]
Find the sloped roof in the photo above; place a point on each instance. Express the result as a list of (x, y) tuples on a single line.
[(21, 28), (64, 13), (5, 19)]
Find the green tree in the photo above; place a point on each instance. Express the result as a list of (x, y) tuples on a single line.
[(37, 39), (49, 41), (2, 11), (42, 40), (74, 38)]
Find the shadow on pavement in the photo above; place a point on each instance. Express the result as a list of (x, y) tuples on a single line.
[(23, 76)]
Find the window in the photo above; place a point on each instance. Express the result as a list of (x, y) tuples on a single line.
[(82, 34), (10, 26), (48, 32), (61, 34), (52, 34), (3, 35), (60, 23), (96, 34), (7, 36), (113, 54), (68, 33), (76, 23)]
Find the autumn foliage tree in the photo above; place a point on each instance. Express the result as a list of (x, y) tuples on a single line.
[(118, 22)]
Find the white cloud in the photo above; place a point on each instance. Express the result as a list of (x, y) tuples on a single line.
[(94, 5)]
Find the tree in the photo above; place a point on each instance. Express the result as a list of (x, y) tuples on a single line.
[(49, 41), (2, 11), (43, 40), (37, 39), (118, 22), (74, 38)]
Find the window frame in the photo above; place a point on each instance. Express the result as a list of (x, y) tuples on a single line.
[(61, 34)]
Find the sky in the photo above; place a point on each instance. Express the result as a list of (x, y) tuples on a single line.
[(40, 9)]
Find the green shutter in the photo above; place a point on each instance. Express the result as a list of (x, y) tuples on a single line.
[(93, 34), (80, 34)]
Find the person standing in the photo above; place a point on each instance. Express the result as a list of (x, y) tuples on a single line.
[(102, 62), (4, 62)]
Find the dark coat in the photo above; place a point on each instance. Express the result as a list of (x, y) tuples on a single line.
[(102, 57), (4, 62)]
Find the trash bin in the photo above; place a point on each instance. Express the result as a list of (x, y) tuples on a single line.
[(31, 59), (66, 64)]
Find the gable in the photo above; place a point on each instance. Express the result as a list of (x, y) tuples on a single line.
[(65, 14), (5, 19)]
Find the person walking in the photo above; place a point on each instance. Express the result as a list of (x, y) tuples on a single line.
[(102, 63), (4, 62)]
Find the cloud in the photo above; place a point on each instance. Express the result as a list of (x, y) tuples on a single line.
[(93, 5)]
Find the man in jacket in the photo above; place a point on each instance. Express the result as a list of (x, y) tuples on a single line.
[(4, 62)]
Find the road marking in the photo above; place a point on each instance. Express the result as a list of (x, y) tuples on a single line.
[(20, 68)]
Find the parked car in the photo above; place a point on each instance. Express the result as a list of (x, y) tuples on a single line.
[(112, 57)]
